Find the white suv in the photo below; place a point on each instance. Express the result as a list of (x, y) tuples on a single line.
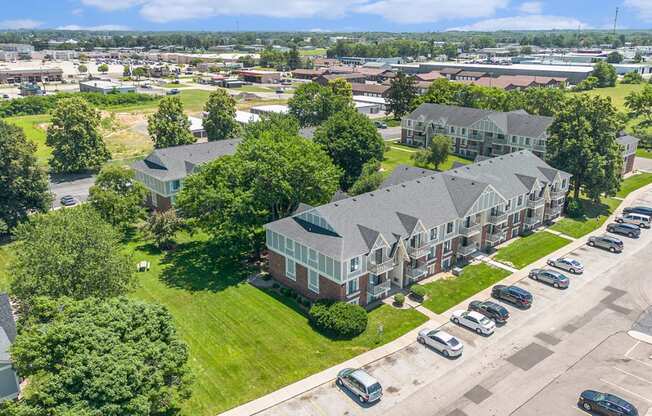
[(475, 321)]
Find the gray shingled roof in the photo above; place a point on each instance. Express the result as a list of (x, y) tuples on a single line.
[(627, 139), (516, 123), (177, 162), (405, 173), (7, 327)]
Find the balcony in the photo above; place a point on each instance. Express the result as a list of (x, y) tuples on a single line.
[(465, 251), (380, 268), (497, 218), (418, 252), (531, 221), (552, 212), (415, 273), (472, 229), (495, 238), (554, 195), (535, 202), (379, 289)]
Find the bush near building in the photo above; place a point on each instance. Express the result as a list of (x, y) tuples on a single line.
[(338, 319)]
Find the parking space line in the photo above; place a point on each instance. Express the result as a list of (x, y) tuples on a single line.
[(579, 410), (634, 375), (626, 390), (629, 351), (642, 362)]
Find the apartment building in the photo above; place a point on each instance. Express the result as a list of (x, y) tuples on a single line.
[(476, 132), (417, 224), (162, 172)]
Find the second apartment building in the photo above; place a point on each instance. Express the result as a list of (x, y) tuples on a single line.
[(357, 249)]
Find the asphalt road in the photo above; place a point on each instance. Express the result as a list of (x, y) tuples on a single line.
[(75, 185), (536, 364), (390, 133)]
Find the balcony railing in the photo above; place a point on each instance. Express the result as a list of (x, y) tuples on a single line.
[(472, 229), (532, 221), (498, 218), (494, 238), (417, 252), (379, 289), (557, 194), (553, 211), (466, 250), (379, 268), (415, 273), (535, 203)]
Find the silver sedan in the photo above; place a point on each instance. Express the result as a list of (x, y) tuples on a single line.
[(441, 341), (567, 263)]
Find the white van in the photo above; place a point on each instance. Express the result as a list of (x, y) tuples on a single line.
[(641, 220)]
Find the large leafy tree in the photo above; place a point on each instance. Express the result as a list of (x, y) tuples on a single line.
[(401, 94), (169, 126), (75, 138), (219, 118), (351, 140), (639, 104), (369, 180), (233, 196), (312, 103), (605, 73), (284, 123), (117, 196), (583, 142), (162, 226), (341, 88), (100, 357), (23, 182), (70, 252), (293, 59), (542, 101), (435, 154)]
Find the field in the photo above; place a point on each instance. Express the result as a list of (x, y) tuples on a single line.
[(531, 248), (34, 128), (313, 52), (617, 93), (244, 342), (401, 155)]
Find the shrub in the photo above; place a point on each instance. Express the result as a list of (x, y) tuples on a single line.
[(306, 303), (275, 285), (293, 293), (417, 291), (285, 291), (338, 319), (574, 208), (399, 299)]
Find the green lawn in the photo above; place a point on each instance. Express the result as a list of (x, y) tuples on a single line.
[(193, 100), (530, 248), (644, 153), (254, 88), (633, 183), (594, 216), (443, 294), (175, 85), (398, 154), (244, 342), (34, 128), (617, 93), (313, 52)]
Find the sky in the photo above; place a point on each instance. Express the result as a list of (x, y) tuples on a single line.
[(324, 15)]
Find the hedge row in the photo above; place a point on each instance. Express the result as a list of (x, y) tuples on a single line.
[(338, 319)]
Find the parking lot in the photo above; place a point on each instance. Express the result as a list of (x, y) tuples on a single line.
[(537, 364)]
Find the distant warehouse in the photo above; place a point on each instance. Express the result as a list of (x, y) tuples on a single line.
[(19, 76), (105, 87)]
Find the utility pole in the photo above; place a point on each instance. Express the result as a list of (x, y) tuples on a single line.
[(616, 20)]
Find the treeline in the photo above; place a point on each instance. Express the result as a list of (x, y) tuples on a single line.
[(42, 104)]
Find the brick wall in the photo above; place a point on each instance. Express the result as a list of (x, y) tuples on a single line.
[(628, 165)]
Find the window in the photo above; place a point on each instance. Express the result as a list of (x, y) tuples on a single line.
[(452, 129), (290, 268), (474, 132), (352, 286), (431, 253), (489, 134), (313, 281), (175, 185), (355, 264), (520, 200), (527, 141), (515, 218), (448, 246), (514, 139), (449, 227), (433, 234), (463, 131)]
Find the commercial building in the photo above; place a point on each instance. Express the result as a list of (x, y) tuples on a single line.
[(260, 77), (162, 172), (197, 127), (370, 90), (353, 78), (105, 87), (272, 108), (18, 76), (418, 224)]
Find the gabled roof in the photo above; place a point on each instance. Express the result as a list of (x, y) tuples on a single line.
[(405, 173), (625, 140), (7, 327), (177, 162)]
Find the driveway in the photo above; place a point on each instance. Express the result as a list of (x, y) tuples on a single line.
[(536, 364), (76, 185), (390, 133), (642, 163)]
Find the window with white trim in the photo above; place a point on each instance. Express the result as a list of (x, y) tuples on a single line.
[(448, 245), (313, 281), (449, 227), (290, 269), (355, 264), (352, 286), (433, 234)]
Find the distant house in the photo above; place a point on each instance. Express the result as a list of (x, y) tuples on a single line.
[(370, 90), (9, 383), (307, 73), (272, 108), (429, 76), (197, 127), (259, 77), (629, 144), (162, 172), (518, 82), (352, 78)]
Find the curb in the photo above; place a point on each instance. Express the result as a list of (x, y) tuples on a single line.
[(640, 336)]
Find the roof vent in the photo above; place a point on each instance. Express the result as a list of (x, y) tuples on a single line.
[(387, 189), (336, 205), (371, 194), (354, 200), (418, 181), (403, 185)]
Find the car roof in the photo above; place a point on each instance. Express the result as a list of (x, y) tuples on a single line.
[(445, 336), (519, 290), (617, 400), (630, 226), (476, 315), (364, 378)]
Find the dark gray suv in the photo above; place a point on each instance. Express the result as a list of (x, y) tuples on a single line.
[(630, 230), (606, 242)]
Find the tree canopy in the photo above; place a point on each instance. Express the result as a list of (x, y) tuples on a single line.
[(639, 105), (23, 182), (435, 154), (583, 143), (605, 73), (69, 252), (117, 196), (401, 94), (100, 357), (170, 126), (351, 140), (219, 118), (75, 138), (312, 103), (369, 180)]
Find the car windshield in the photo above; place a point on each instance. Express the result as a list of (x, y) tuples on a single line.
[(374, 388), (575, 263)]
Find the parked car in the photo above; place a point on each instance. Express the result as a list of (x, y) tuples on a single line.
[(499, 314), (512, 294), (280, 90), (475, 321), (68, 200), (641, 220), (5, 96), (441, 341), (605, 404), (640, 209), (380, 124), (173, 91), (631, 231), (552, 277), (567, 263), (360, 383), (606, 242)]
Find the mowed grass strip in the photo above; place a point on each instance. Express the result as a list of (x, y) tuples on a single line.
[(397, 154), (531, 248), (595, 214), (443, 294), (633, 183)]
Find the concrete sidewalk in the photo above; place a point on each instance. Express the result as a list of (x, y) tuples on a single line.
[(435, 321)]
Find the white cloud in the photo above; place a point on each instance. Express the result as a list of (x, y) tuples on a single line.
[(77, 12), (643, 7), (110, 5), (19, 24), (532, 22), (531, 7), (424, 11), (99, 27)]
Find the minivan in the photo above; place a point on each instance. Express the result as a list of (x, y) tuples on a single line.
[(360, 383), (641, 220)]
